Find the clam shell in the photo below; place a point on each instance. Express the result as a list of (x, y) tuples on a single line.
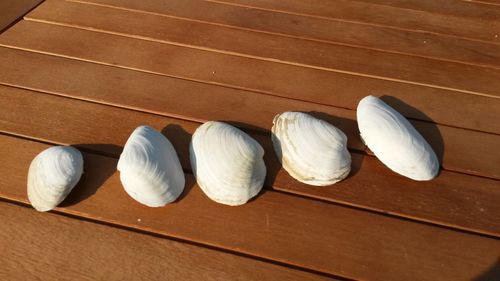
[(311, 150), (395, 141), (228, 164), (150, 170), (52, 175)]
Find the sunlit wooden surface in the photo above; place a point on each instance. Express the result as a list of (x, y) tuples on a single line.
[(87, 73)]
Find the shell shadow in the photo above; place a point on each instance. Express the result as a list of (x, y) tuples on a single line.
[(94, 175), (428, 129), (180, 139), (493, 273)]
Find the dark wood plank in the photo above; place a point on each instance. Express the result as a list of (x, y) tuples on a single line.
[(370, 63), (452, 199), (325, 87), (474, 21), (12, 10), (461, 150), (302, 232), (335, 32), (38, 246)]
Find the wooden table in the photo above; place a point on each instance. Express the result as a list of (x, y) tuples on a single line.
[(87, 72)]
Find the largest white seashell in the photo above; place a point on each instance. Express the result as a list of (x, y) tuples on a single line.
[(311, 150), (150, 170), (228, 164), (52, 175), (395, 141)]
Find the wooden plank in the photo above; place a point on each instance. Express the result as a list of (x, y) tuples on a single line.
[(461, 150), (467, 9), (325, 87), (12, 10), (473, 22), (38, 246), (335, 32), (393, 67), (288, 229), (485, 2), (474, 204)]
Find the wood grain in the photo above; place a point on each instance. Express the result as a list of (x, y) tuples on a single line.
[(467, 9), (335, 32), (452, 199), (10, 11), (370, 63), (305, 233), (45, 246), (453, 19), (461, 150), (474, 112)]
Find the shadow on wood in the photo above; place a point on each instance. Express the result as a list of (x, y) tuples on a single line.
[(492, 274), (180, 139), (96, 170)]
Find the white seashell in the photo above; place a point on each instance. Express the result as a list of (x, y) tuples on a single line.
[(311, 150), (395, 141), (52, 175), (228, 164), (150, 170)]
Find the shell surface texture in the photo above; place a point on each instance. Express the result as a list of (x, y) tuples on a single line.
[(394, 141), (52, 175), (150, 170), (228, 163), (311, 150)]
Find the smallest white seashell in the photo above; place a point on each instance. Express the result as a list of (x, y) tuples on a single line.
[(52, 175), (311, 150)]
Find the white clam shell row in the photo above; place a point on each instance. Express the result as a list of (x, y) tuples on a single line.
[(150, 170), (311, 150), (395, 141), (52, 175), (228, 163)]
